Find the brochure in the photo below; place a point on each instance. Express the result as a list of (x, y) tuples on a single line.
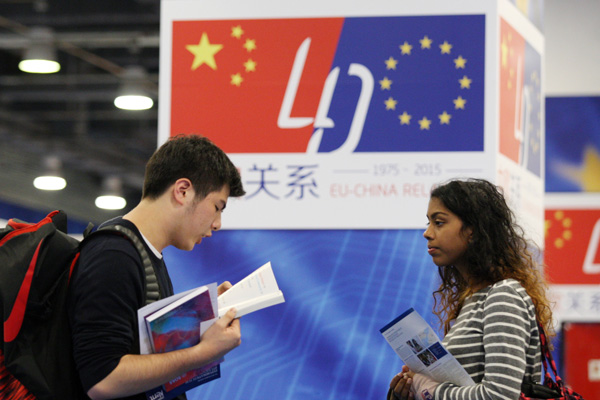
[(421, 350)]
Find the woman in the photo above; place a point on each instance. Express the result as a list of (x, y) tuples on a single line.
[(491, 297)]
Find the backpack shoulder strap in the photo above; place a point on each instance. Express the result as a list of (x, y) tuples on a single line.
[(152, 287)]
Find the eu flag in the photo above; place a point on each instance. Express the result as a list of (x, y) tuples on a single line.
[(428, 74)]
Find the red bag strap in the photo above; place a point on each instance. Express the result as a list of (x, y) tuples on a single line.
[(548, 359)]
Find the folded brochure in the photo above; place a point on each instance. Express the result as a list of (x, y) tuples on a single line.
[(421, 350)]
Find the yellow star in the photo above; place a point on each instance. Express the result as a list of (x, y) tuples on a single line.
[(390, 104), (385, 83), (390, 63), (237, 79), (424, 123), (445, 47), (406, 48), (405, 118), (460, 62), (237, 32), (426, 43), (504, 53), (204, 52), (250, 65), (444, 118), (588, 174), (459, 103), (250, 45), (465, 83)]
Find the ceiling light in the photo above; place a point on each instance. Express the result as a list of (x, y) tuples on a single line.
[(51, 179), (132, 95), (111, 197), (40, 56)]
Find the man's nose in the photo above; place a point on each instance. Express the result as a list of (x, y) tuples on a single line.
[(216, 225)]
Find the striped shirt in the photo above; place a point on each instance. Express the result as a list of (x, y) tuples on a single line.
[(496, 339)]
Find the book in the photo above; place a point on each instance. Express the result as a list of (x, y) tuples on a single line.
[(421, 350), (255, 292), (179, 321), (175, 323)]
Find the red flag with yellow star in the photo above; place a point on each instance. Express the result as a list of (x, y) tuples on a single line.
[(520, 100), (228, 75), (572, 246), (512, 51)]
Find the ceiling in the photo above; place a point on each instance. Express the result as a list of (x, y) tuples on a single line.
[(71, 114)]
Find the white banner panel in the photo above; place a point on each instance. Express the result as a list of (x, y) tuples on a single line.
[(339, 116)]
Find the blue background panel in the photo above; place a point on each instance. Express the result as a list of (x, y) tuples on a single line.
[(340, 287)]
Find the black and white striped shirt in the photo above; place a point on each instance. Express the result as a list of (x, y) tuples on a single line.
[(496, 339)]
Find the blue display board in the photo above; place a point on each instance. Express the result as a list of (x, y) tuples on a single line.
[(340, 288)]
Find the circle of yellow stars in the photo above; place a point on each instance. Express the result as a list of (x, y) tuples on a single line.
[(204, 54), (406, 50), (566, 223)]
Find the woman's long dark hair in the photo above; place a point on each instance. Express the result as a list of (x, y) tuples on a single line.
[(497, 250)]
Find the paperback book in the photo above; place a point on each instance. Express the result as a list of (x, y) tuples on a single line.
[(174, 324), (255, 292)]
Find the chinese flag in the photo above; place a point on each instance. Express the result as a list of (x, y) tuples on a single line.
[(568, 241), (512, 65), (229, 79)]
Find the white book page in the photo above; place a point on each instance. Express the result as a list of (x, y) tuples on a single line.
[(256, 291)]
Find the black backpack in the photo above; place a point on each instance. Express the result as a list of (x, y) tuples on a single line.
[(36, 263)]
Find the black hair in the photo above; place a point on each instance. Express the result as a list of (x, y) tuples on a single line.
[(193, 157)]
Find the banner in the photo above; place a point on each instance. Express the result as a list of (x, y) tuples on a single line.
[(328, 112)]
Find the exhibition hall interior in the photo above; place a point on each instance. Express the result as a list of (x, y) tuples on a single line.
[(341, 118)]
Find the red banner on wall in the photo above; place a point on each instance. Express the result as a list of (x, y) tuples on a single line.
[(572, 251)]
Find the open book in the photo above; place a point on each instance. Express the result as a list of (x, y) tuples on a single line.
[(256, 291), (421, 350)]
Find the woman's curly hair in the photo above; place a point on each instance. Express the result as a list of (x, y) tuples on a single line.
[(497, 250)]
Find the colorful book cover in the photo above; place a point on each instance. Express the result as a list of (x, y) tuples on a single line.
[(177, 326)]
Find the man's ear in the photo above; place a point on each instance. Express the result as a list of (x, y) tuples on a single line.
[(183, 190)]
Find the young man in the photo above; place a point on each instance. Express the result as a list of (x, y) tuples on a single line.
[(186, 186)]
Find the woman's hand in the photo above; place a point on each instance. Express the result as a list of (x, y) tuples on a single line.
[(401, 384), (423, 386)]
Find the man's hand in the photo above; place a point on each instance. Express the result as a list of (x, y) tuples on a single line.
[(222, 337), (223, 287)]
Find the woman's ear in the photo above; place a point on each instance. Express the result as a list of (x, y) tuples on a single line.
[(469, 234)]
